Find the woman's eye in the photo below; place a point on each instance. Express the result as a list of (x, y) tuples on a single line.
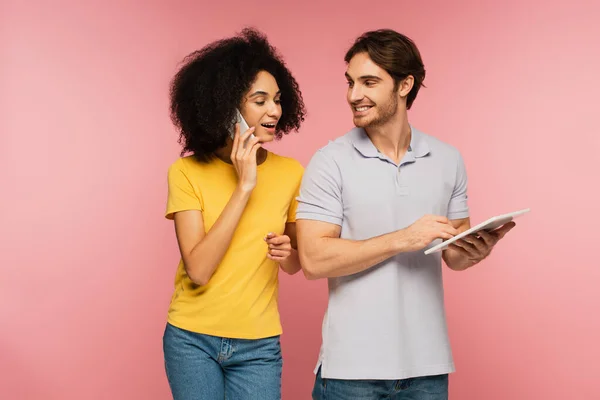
[(260, 103)]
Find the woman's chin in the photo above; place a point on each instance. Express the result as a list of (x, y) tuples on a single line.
[(266, 137)]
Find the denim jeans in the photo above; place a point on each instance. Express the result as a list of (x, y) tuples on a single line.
[(421, 388), (207, 367)]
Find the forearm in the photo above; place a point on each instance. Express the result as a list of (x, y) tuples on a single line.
[(333, 257), (204, 258), (291, 265)]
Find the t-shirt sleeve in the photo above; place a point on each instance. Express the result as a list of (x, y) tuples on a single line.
[(458, 207), (294, 204), (320, 196), (181, 194)]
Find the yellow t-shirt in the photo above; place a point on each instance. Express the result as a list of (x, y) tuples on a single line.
[(240, 299)]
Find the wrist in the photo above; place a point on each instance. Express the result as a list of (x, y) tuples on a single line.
[(244, 189), (289, 259), (400, 242)]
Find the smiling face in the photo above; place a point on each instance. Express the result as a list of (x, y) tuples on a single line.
[(261, 106), (371, 92), (373, 95)]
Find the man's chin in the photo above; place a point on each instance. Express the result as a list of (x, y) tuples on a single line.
[(361, 122)]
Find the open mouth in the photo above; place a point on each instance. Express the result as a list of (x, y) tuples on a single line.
[(362, 108), (268, 126)]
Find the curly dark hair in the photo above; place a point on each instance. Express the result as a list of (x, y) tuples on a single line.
[(212, 82)]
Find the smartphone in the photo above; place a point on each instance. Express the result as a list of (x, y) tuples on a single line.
[(243, 126)]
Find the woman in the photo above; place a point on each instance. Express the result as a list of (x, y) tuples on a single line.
[(234, 205)]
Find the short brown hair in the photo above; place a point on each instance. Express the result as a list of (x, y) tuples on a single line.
[(395, 53)]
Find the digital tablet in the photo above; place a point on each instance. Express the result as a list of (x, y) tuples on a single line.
[(489, 225)]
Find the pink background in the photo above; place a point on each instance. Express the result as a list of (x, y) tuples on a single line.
[(88, 260)]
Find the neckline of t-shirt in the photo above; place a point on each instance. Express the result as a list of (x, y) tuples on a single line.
[(259, 166)]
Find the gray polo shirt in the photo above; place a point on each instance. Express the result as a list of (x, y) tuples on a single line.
[(387, 322)]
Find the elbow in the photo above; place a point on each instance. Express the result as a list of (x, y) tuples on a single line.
[(310, 268), (197, 277), (311, 276), (198, 280), (310, 272)]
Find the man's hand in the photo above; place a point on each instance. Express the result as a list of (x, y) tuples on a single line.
[(427, 229), (476, 247)]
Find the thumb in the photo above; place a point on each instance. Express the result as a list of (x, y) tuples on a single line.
[(504, 229), (270, 235)]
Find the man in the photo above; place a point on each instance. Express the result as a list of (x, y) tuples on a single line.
[(370, 203)]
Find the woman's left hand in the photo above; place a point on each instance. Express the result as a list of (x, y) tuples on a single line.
[(280, 247)]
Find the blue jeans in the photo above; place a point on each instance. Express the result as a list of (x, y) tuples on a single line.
[(207, 367), (422, 388)]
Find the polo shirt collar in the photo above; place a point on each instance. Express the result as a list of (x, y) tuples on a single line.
[(418, 144)]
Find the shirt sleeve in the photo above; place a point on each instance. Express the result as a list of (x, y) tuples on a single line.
[(181, 195), (320, 196), (458, 207), (294, 204)]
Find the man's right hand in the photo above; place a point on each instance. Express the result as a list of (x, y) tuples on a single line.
[(427, 229)]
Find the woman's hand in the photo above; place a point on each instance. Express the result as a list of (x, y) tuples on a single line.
[(280, 247), (244, 158)]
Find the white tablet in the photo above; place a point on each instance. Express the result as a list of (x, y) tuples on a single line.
[(489, 225)]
